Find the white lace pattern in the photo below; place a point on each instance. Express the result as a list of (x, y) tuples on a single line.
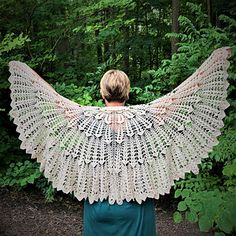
[(120, 153)]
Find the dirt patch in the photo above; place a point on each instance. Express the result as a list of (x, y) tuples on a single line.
[(26, 213)]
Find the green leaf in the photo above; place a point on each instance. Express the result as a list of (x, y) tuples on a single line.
[(23, 182), (197, 207), (182, 206), (27, 162), (30, 180), (230, 170), (177, 193), (12, 165), (205, 223), (224, 223), (12, 182), (19, 163), (177, 217), (188, 201), (191, 216), (185, 192), (37, 174)]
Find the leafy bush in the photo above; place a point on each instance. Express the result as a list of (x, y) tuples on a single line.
[(83, 95), (22, 174), (212, 206)]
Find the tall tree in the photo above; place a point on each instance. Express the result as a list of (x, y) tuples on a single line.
[(99, 48), (175, 24), (126, 50), (209, 11)]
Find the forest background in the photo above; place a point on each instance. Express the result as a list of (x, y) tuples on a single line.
[(158, 44)]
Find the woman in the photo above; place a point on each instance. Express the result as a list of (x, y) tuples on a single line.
[(130, 218)]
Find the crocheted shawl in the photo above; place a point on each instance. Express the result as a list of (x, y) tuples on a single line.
[(125, 152)]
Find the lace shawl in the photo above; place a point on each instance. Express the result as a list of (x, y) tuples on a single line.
[(120, 153)]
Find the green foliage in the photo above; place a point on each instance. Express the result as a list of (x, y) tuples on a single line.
[(46, 188), (230, 170), (142, 95), (9, 149), (225, 151), (20, 174), (210, 209), (177, 217), (11, 42), (85, 96), (197, 41)]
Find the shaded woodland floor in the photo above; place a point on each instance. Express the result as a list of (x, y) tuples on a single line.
[(26, 213)]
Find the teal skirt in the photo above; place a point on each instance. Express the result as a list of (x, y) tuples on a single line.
[(128, 219)]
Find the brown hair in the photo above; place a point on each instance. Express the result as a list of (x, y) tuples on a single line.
[(115, 86)]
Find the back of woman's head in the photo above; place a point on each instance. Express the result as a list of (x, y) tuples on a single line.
[(115, 86)]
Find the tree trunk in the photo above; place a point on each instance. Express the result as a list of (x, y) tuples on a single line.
[(98, 48), (107, 40), (175, 24), (209, 11), (126, 50), (106, 50)]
